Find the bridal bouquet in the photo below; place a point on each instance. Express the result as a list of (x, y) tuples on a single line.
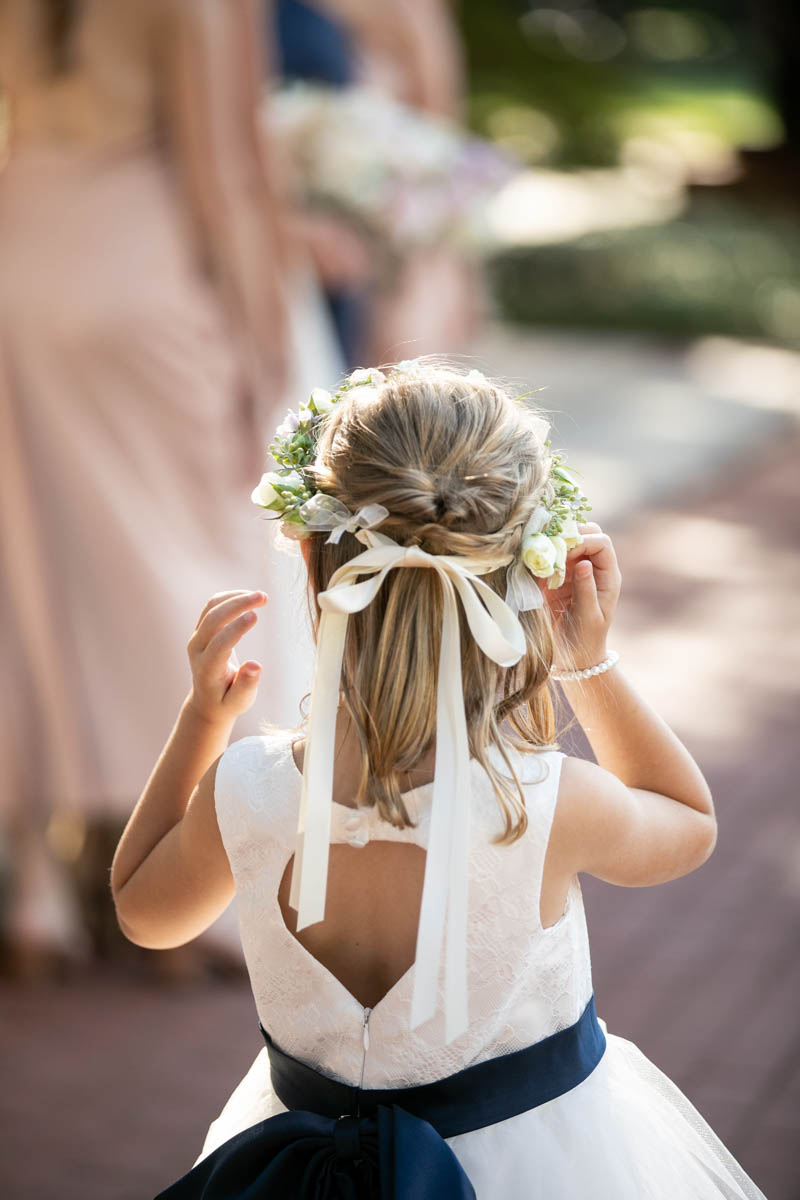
[(408, 179)]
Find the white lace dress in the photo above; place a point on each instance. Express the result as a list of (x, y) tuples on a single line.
[(625, 1133)]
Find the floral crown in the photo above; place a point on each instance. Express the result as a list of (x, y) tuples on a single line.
[(291, 494)]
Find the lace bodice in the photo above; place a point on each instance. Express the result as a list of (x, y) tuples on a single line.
[(525, 982)]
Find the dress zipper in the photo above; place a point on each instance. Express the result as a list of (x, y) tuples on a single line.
[(365, 1043)]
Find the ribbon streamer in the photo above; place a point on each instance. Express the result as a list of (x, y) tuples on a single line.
[(497, 630), (522, 591)]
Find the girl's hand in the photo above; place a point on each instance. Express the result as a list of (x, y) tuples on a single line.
[(221, 689), (583, 607)]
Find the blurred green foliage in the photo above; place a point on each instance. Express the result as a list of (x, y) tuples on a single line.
[(568, 85), (716, 270), (676, 87)]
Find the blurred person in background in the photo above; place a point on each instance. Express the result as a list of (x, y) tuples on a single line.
[(311, 43), (411, 53), (143, 338), (411, 49)]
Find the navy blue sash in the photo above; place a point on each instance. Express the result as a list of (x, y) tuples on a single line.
[(346, 1143)]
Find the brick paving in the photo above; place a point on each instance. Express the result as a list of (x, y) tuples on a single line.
[(704, 973), (110, 1080)]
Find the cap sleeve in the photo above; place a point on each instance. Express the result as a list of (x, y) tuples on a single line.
[(248, 789)]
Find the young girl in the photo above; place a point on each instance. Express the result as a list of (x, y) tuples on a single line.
[(407, 867)]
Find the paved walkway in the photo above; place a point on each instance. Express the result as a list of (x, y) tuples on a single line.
[(704, 973), (646, 419), (109, 1081)]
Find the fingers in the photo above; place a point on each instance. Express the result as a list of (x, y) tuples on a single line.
[(593, 542), (220, 597), (242, 692), (218, 650), (584, 592), (220, 611), (584, 605), (221, 689), (598, 548), (216, 599)]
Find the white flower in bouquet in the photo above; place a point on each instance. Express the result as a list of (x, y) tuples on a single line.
[(411, 179)]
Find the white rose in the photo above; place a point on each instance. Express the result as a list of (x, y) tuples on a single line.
[(322, 401), (365, 375), (541, 427), (570, 533), (306, 414), (539, 554), (362, 375), (560, 566), (265, 494)]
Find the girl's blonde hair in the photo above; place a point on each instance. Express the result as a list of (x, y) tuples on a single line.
[(460, 467)]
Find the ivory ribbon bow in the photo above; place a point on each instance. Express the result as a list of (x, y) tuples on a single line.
[(500, 636), (326, 512)]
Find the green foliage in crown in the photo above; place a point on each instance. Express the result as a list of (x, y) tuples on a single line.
[(294, 447)]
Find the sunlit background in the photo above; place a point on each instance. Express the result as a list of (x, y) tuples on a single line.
[(657, 191), (625, 237)]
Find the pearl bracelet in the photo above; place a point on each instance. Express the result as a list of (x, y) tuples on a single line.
[(587, 672)]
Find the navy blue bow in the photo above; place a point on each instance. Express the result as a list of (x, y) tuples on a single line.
[(391, 1156), (393, 1152)]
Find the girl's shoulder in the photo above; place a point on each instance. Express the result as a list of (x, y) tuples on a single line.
[(255, 772), (585, 792)]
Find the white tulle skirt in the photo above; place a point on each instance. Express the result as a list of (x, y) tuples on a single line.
[(625, 1133)]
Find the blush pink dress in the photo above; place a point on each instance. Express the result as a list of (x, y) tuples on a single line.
[(136, 275)]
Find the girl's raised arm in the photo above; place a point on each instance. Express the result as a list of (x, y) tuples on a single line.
[(170, 877), (644, 814)]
